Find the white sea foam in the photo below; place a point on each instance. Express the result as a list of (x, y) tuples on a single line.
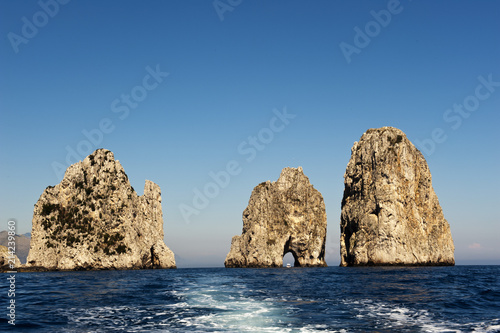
[(318, 328), (483, 327), (229, 310), (209, 310), (389, 316)]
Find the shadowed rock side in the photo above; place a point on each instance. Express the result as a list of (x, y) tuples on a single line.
[(390, 213), (283, 216), (94, 219)]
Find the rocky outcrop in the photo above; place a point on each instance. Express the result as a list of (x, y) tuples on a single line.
[(390, 213), (94, 219), (22, 244), (283, 216), (8, 261)]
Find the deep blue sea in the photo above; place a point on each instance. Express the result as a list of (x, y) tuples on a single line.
[(333, 299)]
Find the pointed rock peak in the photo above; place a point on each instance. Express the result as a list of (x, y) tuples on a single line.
[(290, 176), (390, 134), (291, 173), (386, 130), (289, 170), (100, 158), (102, 152), (384, 137)]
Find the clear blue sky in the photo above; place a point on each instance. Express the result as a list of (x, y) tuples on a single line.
[(71, 69)]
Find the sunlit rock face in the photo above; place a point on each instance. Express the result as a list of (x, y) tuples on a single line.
[(390, 213), (284, 216), (94, 219)]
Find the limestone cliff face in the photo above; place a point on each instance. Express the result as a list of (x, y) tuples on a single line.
[(94, 219), (390, 213), (283, 216)]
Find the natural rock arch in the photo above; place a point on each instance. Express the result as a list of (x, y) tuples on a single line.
[(289, 258), (283, 216), (287, 249)]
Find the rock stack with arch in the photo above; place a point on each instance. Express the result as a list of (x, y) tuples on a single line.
[(283, 216)]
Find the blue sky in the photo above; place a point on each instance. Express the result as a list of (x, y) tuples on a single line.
[(71, 66)]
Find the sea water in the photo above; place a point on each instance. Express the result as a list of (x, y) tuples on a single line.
[(333, 299)]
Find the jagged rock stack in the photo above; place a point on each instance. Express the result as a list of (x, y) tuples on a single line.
[(94, 219), (283, 216), (390, 213)]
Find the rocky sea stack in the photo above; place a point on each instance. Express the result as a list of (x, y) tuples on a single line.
[(390, 213), (283, 216), (93, 219)]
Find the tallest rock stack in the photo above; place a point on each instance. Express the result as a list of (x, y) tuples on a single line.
[(390, 213)]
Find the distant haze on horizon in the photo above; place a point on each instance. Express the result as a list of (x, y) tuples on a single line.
[(186, 92)]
